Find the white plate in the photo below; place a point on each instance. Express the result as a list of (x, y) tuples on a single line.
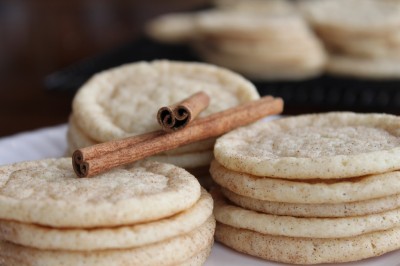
[(51, 142)]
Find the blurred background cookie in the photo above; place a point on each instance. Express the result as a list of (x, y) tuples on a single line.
[(362, 36), (256, 42)]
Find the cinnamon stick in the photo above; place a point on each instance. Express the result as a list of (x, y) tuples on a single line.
[(177, 116), (105, 156)]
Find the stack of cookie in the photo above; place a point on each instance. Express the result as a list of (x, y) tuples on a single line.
[(182, 27), (258, 45), (147, 214), (363, 36), (124, 101), (310, 189)]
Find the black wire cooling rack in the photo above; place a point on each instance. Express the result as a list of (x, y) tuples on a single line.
[(324, 93)]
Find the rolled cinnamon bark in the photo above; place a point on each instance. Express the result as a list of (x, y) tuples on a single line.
[(101, 157), (177, 116)]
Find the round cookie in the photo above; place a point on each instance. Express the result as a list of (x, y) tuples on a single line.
[(172, 28), (303, 227), (48, 192), (256, 68), (197, 260), (333, 210), (126, 236), (368, 17), (299, 250), (365, 47), (307, 192), (317, 146), (249, 25), (374, 68), (172, 251), (123, 101), (276, 51)]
